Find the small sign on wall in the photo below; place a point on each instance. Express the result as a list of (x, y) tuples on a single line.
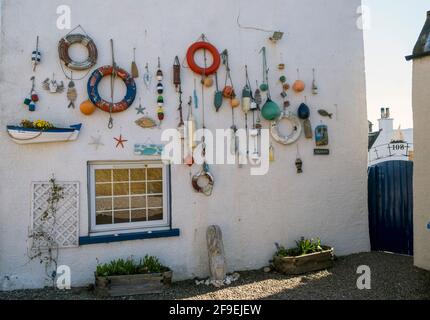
[(321, 152)]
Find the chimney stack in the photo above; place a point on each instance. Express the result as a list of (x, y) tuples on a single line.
[(386, 124)]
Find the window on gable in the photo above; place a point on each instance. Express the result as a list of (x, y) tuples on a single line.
[(128, 196)]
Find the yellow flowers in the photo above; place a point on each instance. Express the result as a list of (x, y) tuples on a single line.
[(38, 124)]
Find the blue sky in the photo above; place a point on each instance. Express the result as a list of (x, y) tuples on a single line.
[(394, 28)]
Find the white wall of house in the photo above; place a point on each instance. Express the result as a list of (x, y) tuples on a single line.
[(328, 200)]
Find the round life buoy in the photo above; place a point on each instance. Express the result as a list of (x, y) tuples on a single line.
[(203, 45), (291, 138), (95, 97), (208, 187), (86, 41)]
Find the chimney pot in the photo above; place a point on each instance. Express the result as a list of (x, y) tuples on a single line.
[(387, 113), (382, 113)]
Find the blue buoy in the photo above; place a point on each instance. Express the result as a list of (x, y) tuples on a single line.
[(428, 226)]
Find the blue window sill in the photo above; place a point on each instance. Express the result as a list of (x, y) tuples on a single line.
[(83, 241)]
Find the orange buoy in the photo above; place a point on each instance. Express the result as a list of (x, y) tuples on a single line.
[(208, 82), (235, 103), (87, 108), (299, 86), (228, 92)]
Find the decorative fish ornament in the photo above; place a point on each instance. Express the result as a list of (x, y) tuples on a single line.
[(146, 123), (147, 77), (325, 113), (72, 94)]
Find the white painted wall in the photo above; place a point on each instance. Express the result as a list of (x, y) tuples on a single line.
[(327, 201)]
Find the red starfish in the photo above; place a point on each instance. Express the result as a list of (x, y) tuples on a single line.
[(120, 141)]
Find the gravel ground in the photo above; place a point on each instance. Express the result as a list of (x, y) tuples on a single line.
[(393, 277)]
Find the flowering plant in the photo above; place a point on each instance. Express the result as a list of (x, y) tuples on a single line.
[(38, 124)]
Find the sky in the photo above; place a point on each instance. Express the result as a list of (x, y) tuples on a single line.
[(393, 30)]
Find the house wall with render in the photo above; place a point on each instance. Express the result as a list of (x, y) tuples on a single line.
[(329, 200), (421, 100)]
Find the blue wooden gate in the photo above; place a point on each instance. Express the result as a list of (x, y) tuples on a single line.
[(390, 190)]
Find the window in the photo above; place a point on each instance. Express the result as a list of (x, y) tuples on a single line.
[(128, 196)]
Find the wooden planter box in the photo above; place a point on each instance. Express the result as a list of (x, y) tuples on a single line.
[(304, 264), (140, 284)]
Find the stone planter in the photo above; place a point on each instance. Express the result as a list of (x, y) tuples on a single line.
[(304, 264), (118, 286)]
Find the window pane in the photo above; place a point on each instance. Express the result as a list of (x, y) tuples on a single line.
[(104, 204), (104, 190), (155, 174), (121, 189), (103, 218), (155, 187), (138, 202), (103, 175), (155, 202), (138, 215), (138, 175), (120, 175), (122, 216), (121, 203), (155, 214), (138, 188)]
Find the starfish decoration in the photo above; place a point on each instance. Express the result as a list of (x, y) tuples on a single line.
[(140, 110), (96, 142), (120, 141)]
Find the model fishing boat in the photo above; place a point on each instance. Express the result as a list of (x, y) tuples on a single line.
[(22, 135)]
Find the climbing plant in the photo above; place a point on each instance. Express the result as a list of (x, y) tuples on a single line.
[(44, 246)]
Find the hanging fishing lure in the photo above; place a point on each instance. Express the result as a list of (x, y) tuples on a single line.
[(32, 98), (190, 134), (160, 92), (219, 96), (36, 55), (178, 84), (177, 73)]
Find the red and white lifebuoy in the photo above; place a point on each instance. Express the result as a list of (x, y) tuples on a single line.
[(203, 45)]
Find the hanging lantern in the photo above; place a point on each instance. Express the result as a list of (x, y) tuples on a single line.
[(271, 111), (87, 108)]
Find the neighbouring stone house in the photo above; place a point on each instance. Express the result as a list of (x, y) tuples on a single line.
[(420, 104)]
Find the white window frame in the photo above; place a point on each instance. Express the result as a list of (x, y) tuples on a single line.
[(132, 226)]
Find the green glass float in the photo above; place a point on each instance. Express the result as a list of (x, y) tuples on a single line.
[(271, 111)]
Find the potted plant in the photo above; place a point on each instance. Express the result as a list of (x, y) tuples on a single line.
[(128, 277), (42, 131), (308, 256)]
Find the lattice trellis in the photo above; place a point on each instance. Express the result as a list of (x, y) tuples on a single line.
[(65, 227)]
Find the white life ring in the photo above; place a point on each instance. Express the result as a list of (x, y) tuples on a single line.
[(291, 138)]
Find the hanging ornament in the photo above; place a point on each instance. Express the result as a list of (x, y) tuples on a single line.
[(36, 56), (321, 136), (299, 162), (299, 85), (160, 91), (72, 94), (32, 98), (247, 95), (146, 123), (219, 95), (208, 82), (147, 77), (52, 85), (96, 142), (140, 109), (270, 110), (304, 113), (177, 73), (271, 153), (190, 133), (314, 85), (134, 69)]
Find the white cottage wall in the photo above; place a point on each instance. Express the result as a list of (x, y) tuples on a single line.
[(329, 200)]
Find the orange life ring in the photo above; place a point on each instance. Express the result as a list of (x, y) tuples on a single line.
[(95, 97), (203, 45)]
